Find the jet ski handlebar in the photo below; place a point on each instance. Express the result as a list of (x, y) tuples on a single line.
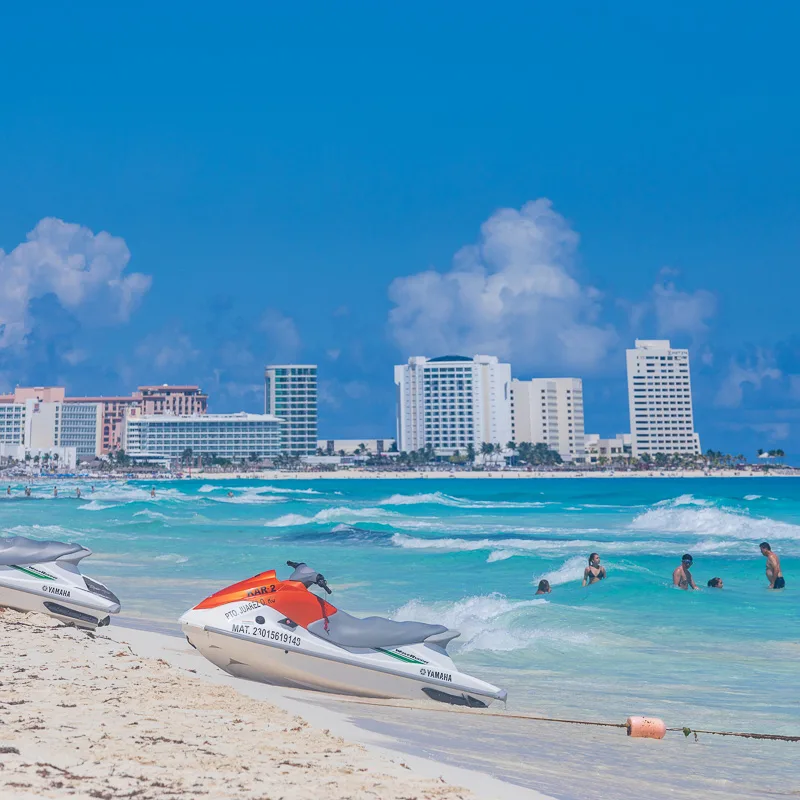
[(307, 576)]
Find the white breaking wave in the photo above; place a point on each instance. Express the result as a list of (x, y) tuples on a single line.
[(338, 514), (442, 499), (489, 622), (96, 505), (571, 570), (146, 512), (752, 497), (248, 500), (711, 521), (175, 558), (684, 500)]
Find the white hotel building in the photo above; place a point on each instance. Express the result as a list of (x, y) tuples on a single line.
[(290, 392), (452, 402), (660, 400), (233, 436), (549, 410)]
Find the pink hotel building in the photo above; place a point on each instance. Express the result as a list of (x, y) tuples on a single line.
[(165, 399)]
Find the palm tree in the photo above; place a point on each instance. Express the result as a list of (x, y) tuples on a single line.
[(186, 456), (471, 453), (512, 446)]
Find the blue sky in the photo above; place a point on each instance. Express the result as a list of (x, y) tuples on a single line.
[(354, 183)]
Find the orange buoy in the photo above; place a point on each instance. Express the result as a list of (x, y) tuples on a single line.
[(646, 727)]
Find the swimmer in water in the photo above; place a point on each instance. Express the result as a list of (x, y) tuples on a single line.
[(230, 494), (8, 491), (543, 587), (681, 577), (153, 491), (715, 583), (27, 491), (594, 572), (774, 574), (55, 491), (78, 493)]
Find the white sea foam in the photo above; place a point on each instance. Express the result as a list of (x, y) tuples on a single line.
[(500, 555), (752, 497), (96, 505), (207, 487), (571, 570), (489, 622), (174, 558), (148, 514), (684, 500), (248, 499), (442, 499), (337, 514), (712, 521)]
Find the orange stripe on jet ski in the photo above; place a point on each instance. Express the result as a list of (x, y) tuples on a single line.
[(290, 598)]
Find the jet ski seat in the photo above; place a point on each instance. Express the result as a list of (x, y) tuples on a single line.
[(349, 631), (19, 550)]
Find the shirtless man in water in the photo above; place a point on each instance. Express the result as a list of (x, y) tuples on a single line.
[(681, 577), (774, 574), (594, 572)]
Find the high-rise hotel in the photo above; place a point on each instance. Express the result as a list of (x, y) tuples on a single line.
[(549, 410), (660, 400), (290, 393), (452, 402)]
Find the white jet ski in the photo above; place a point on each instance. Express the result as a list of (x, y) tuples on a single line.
[(278, 632), (44, 577)]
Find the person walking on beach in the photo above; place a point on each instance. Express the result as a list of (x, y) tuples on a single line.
[(774, 574), (543, 587), (715, 583), (594, 572), (681, 577)]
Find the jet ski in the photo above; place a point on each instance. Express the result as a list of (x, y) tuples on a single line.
[(44, 577), (279, 632)]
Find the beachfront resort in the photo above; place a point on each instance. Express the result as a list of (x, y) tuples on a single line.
[(454, 413)]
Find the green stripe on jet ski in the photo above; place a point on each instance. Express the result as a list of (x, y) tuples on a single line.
[(407, 659), (36, 574)]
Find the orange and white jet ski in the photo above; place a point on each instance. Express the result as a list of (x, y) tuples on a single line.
[(279, 632)]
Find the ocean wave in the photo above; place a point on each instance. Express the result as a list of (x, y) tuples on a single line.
[(174, 558), (571, 570), (490, 622), (96, 505), (712, 521), (148, 514), (207, 487), (248, 500), (52, 532), (442, 499), (684, 500), (337, 514)]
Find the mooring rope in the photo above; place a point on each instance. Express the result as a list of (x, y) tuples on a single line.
[(685, 730)]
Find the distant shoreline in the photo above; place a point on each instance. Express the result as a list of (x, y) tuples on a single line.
[(277, 475)]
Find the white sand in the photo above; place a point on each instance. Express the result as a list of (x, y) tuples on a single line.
[(86, 716)]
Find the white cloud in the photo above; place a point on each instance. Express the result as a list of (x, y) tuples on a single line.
[(731, 390), (682, 312), (166, 350), (513, 294), (283, 340), (84, 270)]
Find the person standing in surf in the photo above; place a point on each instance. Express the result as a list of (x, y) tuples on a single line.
[(774, 574), (681, 577), (594, 572)]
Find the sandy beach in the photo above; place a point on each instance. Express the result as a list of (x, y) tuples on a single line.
[(81, 716)]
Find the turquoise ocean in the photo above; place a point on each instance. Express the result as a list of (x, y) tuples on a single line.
[(468, 554)]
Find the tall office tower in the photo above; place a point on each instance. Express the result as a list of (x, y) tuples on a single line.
[(549, 410), (660, 400), (290, 393), (452, 402)]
